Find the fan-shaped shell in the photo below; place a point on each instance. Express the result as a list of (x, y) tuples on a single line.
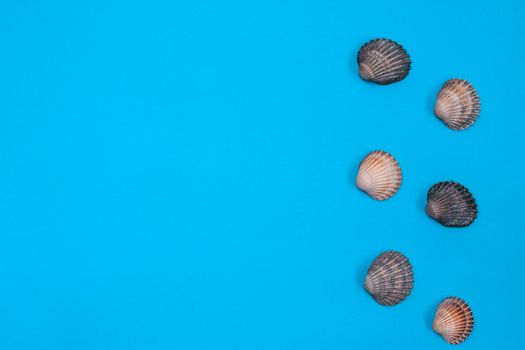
[(379, 175), (390, 278), (457, 104), (451, 204), (453, 320), (383, 61)]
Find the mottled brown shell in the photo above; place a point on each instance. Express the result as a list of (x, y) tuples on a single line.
[(457, 104), (383, 61), (454, 320), (451, 204), (379, 175), (390, 278)]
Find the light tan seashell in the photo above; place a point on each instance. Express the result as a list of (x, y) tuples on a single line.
[(457, 104), (453, 320), (379, 175)]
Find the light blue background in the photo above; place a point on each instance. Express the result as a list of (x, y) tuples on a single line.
[(180, 175)]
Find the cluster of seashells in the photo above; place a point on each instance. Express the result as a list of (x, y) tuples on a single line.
[(448, 202), (383, 61), (390, 278)]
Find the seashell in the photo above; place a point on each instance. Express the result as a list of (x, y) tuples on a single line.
[(379, 175), (383, 61), (451, 204), (453, 320), (390, 278), (457, 104)]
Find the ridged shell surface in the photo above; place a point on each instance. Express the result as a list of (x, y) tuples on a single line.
[(457, 104), (390, 278), (379, 175), (454, 320), (451, 204), (383, 61)]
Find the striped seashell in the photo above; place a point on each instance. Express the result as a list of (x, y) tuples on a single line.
[(454, 320), (383, 61), (457, 104), (379, 175), (451, 204), (390, 278)]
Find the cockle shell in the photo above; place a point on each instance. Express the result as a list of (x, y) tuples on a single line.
[(451, 204), (383, 61), (390, 278), (457, 104), (379, 175), (453, 320)]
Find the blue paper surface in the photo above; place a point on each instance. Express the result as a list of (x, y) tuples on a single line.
[(181, 174)]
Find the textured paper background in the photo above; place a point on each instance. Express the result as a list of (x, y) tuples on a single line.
[(179, 174)]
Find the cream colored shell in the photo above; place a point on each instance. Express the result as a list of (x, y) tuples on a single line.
[(453, 320), (457, 104), (379, 175)]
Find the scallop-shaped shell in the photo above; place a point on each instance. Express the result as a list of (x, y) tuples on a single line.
[(457, 104), (379, 175), (390, 278), (451, 204), (453, 320), (383, 61)]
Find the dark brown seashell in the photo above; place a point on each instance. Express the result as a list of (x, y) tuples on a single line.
[(454, 320), (390, 278), (451, 204), (383, 61), (457, 104)]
